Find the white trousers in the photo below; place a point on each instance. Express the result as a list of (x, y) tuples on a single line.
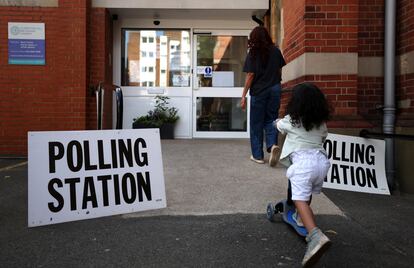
[(307, 173)]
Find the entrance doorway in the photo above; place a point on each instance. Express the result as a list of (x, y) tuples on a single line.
[(218, 81)]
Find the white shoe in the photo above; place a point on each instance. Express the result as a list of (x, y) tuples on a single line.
[(258, 161), (318, 243), (274, 155)]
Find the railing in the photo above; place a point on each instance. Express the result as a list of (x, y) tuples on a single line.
[(365, 133), (119, 107), (99, 92), (99, 105)]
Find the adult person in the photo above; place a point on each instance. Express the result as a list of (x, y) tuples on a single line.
[(263, 66)]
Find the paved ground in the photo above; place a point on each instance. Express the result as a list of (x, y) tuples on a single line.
[(215, 218)]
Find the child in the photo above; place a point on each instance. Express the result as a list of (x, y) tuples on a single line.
[(303, 152)]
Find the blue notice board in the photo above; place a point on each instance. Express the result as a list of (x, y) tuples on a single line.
[(27, 43)]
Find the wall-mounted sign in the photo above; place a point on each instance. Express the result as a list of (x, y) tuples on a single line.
[(26, 43), (357, 164), (76, 175)]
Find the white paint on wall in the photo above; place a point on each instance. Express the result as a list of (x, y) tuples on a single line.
[(405, 63), (320, 64), (371, 66)]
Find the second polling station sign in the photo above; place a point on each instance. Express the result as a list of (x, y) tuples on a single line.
[(357, 164), (76, 175)]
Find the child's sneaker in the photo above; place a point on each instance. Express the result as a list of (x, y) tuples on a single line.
[(318, 243), (296, 218), (274, 155)]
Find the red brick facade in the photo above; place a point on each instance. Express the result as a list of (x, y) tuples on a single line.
[(55, 96), (405, 45), (324, 26), (294, 29), (60, 95), (371, 44), (351, 26), (100, 65)]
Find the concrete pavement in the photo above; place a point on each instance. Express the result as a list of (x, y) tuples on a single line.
[(216, 177), (215, 218)]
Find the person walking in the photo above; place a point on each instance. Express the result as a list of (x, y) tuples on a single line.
[(263, 65), (306, 159)]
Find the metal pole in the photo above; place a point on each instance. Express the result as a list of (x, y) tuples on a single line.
[(119, 107), (389, 88), (99, 106)]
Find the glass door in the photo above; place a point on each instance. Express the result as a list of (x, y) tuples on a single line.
[(218, 81)]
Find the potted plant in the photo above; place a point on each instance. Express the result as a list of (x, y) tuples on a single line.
[(162, 117)]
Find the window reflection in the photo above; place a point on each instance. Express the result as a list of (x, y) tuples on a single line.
[(220, 114), (156, 58), (225, 55)]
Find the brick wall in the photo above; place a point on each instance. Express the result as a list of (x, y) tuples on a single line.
[(100, 65), (371, 44), (371, 28), (331, 25), (49, 97), (405, 45), (56, 96), (294, 29), (325, 26)]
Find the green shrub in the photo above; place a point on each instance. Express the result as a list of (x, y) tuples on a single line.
[(160, 115)]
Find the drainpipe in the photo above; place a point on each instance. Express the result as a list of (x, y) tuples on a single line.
[(389, 89)]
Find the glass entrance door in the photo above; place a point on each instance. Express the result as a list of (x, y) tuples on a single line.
[(218, 84)]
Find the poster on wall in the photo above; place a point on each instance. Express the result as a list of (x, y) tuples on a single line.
[(26, 43), (77, 175), (357, 164)]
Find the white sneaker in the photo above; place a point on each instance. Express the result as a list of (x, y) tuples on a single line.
[(318, 243), (258, 161), (274, 155)]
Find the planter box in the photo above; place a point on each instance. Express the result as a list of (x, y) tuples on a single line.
[(166, 130)]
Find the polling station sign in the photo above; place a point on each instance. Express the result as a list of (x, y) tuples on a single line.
[(357, 164), (76, 175)]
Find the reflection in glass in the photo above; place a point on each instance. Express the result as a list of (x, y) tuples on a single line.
[(225, 55), (220, 114), (156, 58)]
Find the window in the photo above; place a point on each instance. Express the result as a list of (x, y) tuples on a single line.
[(220, 114), (164, 60), (225, 55)]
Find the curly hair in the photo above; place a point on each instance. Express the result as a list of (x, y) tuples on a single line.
[(260, 44), (308, 106)]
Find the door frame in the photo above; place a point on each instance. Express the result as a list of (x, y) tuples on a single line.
[(224, 92)]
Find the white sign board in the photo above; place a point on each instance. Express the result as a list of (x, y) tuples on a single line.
[(357, 164), (223, 79), (76, 175)]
